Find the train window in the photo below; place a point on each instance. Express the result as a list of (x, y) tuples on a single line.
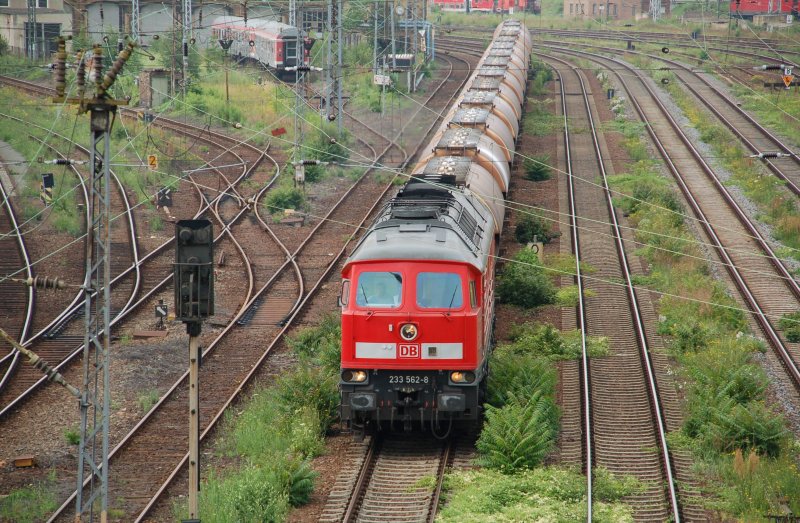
[(379, 289), (344, 298), (473, 294), (439, 290)]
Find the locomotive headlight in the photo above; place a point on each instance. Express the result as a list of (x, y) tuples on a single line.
[(354, 376), (408, 331), (462, 376)]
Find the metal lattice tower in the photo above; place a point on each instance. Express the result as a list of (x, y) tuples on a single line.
[(96, 395), (186, 32), (31, 46), (655, 9), (333, 73), (293, 13), (135, 21)]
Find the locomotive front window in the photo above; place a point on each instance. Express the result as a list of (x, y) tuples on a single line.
[(439, 290), (379, 289)]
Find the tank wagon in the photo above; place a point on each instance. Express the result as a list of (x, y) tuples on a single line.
[(273, 44), (417, 295)]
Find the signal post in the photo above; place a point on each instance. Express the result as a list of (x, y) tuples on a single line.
[(193, 280)]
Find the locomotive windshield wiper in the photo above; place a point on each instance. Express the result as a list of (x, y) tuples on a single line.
[(364, 293), (452, 298)]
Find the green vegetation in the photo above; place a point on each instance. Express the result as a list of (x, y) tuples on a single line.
[(790, 323), (546, 342), (726, 411), (274, 437), (537, 168), (148, 399), (30, 504), (72, 435), (519, 431), (532, 227), (539, 73), (524, 283), (544, 494), (285, 197), (540, 120)]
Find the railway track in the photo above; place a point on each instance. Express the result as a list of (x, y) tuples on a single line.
[(621, 402), (16, 314), (388, 486), (754, 269), (140, 434)]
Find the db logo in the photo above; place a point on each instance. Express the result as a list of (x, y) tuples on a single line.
[(408, 350)]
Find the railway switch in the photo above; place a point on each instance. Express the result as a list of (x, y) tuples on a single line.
[(193, 273)]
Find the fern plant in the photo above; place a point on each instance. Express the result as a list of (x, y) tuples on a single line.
[(520, 434)]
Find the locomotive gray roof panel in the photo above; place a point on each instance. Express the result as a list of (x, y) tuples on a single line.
[(492, 71), (460, 139), (445, 238), (470, 116), (472, 97), (487, 83), (496, 60)]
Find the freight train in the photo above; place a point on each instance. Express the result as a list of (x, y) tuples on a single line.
[(417, 295), (273, 44)]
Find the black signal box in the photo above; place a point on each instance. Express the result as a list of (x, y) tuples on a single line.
[(193, 276)]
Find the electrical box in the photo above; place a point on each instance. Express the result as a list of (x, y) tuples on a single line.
[(193, 276)]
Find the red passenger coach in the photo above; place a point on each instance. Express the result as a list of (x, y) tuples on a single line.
[(748, 8), (418, 291)]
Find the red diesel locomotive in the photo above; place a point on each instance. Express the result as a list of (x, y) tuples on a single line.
[(418, 291)]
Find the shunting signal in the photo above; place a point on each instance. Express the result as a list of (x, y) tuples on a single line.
[(46, 188)]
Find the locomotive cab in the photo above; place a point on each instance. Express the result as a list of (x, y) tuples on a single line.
[(416, 311), (412, 343)]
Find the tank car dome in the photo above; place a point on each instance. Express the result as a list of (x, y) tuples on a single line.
[(491, 100), (476, 144), (483, 119), (513, 67), (496, 85), (517, 87)]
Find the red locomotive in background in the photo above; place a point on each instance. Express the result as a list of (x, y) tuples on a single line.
[(418, 291), (748, 8)]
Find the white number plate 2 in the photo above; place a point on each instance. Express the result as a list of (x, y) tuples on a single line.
[(400, 379)]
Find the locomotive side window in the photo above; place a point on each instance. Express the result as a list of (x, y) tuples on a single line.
[(439, 290), (379, 289), (344, 298), (473, 294)]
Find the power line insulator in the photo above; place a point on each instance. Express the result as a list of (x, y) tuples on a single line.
[(45, 282)]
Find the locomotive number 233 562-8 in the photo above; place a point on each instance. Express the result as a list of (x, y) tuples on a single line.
[(400, 379)]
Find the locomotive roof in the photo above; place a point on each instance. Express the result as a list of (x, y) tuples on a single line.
[(427, 222)]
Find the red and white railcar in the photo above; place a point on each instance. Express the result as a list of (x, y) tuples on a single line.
[(274, 44), (748, 8)]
